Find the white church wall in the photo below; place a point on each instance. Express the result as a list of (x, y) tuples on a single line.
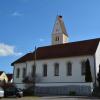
[(76, 69), (20, 66), (64, 84), (62, 78), (97, 58), (27, 65)]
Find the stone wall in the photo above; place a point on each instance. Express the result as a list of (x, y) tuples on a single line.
[(63, 90)]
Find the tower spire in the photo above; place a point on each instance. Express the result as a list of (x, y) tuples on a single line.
[(59, 34)]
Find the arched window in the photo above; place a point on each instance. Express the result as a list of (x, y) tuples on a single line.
[(17, 72), (69, 69), (57, 38), (56, 69), (24, 72), (33, 70), (83, 65), (44, 70)]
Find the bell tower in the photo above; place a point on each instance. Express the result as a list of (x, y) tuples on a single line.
[(59, 34)]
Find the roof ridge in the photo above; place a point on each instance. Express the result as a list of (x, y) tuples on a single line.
[(70, 43), (81, 48), (62, 25)]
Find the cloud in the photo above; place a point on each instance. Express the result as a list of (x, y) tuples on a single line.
[(8, 50), (16, 13)]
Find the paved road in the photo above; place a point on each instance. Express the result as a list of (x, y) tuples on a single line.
[(67, 98), (52, 98)]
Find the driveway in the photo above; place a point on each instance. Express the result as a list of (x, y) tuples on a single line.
[(53, 98)]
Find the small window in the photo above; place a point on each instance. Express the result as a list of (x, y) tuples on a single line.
[(24, 72), (69, 69), (17, 73), (57, 38), (56, 69), (45, 70), (83, 68)]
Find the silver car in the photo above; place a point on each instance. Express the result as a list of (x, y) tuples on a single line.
[(1, 92)]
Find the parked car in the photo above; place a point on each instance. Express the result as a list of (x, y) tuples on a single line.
[(13, 91), (1, 92)]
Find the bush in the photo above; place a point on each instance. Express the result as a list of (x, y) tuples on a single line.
[(29, 91), (88, 76), (72, 93), (96, 92)]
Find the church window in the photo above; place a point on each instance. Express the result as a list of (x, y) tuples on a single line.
[(33, 70), (56, 69), (24, 72), (17, 73), (45, 70), (83, 67), (57, 38), (69, 69)]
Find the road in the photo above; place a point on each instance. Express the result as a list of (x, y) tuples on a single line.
[(53, 98)]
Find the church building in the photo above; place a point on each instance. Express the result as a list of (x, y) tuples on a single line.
[(60, 67)]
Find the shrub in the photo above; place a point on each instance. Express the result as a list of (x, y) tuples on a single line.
[(98, 77), (29, 91), (72, 93), (88, 76)]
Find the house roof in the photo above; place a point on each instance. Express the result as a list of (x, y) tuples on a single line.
[(1, 72), (72, 49), (10, 76), (62, 25)]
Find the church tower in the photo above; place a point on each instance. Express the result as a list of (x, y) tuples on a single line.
[(59, 34)]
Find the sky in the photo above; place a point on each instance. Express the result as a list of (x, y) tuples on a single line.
[(25, 24)]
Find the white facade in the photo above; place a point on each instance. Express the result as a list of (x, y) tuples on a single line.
[(97, 58), (3, 77), (76, 76)]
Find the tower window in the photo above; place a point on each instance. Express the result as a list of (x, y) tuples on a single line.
[(57, 38)]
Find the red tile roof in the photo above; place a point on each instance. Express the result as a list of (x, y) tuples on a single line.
[(10, 76), (86, 47), (1, 72)]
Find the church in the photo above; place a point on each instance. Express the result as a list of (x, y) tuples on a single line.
[(60, 67)]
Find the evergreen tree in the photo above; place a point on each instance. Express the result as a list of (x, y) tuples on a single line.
[(98, 78), (88, 77)]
